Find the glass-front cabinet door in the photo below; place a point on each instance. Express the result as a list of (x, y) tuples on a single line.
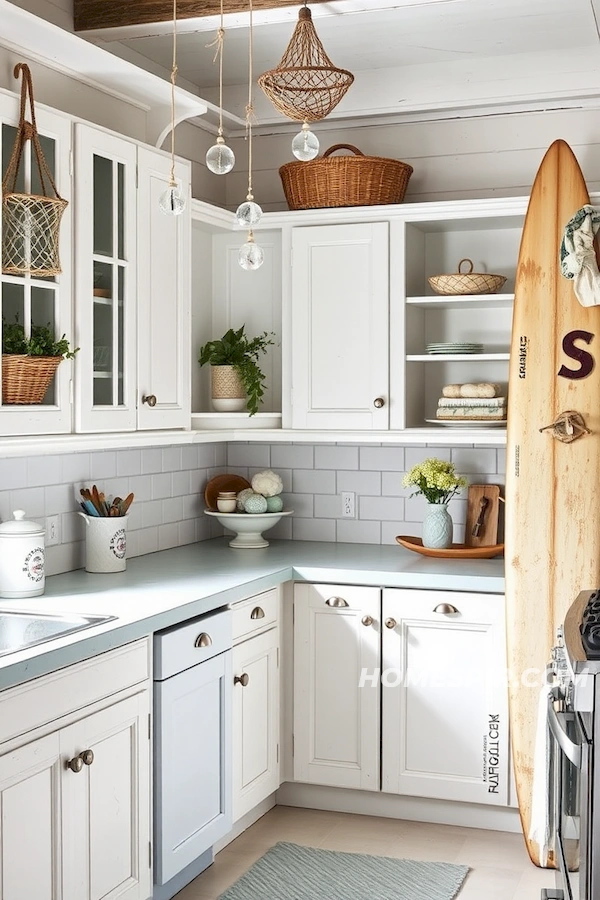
[(33, 306), (106, 281)]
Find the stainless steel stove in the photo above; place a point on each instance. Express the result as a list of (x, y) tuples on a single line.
[(574, 727)]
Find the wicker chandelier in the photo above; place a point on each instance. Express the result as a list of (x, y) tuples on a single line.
[(305, 86)]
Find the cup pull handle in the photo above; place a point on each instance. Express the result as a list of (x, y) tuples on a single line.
[(336, 602), (203, 640), (445, 609), (257, 613)]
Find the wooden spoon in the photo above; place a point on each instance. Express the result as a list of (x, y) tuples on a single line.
[(126, 503)]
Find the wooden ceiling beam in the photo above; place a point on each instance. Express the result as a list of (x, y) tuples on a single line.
[(96, 14)]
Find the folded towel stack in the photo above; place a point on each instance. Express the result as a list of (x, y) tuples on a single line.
[(472, 401)]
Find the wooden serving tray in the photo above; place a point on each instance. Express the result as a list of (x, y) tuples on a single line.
[(456, 551)]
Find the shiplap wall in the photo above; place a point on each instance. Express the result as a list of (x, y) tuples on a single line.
[(454, 159)]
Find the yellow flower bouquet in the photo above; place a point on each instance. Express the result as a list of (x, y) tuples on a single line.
[(435, 479)]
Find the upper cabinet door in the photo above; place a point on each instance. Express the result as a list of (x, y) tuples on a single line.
[(340, 327), (105, 219), (164, 298), (31, 301)]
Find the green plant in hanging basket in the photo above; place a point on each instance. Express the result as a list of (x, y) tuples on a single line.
[(29, 363), (40, 343), (242, 353)]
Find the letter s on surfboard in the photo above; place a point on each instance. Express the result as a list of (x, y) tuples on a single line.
[(585, 359)]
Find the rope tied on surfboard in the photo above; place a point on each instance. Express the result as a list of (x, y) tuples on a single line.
[(578, 256), (567, 427)]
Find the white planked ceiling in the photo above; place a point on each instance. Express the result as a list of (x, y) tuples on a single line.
[(469, 51)]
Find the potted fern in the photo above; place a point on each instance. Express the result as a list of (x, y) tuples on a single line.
[(236, 378), (29, 363)]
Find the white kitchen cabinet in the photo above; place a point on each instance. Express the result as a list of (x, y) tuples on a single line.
[(255, 721), (75, 792), (133, 288), (340, 289), (164, 297), (33, 300), (336, 721), (444, 696)]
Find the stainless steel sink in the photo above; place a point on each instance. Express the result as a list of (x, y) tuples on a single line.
[(20, 629)]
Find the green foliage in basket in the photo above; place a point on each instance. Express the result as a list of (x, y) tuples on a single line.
[(40, 343), (237, 350)]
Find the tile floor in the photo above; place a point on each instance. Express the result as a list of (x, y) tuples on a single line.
[(501, 869)]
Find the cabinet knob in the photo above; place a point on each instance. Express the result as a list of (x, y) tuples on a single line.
[(390, 623), (75, 764), (203, 640), (257, 613), (242, 679), (367, 620), (87, 756), (378, 402), (150, 399), (336, 602), (445, 609)]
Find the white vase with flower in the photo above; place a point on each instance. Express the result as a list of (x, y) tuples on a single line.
[(438, 482)]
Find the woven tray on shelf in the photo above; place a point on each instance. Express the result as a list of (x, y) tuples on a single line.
[(466, 282), (25, 379), (357, 180)]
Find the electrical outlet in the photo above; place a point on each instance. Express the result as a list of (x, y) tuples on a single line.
[(52, 530), (348, 508)]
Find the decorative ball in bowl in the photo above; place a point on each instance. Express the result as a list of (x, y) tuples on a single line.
[(248, 526)]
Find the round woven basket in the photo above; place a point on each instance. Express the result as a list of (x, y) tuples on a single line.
[(466, 282), (357, 180), (25, 379)]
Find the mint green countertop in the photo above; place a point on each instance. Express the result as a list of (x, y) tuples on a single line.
[(162, 589)]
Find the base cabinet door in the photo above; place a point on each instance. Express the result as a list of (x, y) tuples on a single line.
[(255, 721), (106, 805), (336, 720), (444, 696), (30, 824)]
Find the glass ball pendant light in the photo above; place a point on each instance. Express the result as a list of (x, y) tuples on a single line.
[(172, 201), (251, 256), (249, 213), (305, 145), (220, 158)]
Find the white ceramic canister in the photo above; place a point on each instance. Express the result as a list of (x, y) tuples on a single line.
[(105, 543), (22, 558)]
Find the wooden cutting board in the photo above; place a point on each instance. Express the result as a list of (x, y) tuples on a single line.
[(552, 541), (483, 500)]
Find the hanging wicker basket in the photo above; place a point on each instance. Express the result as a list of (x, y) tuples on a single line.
[(30, 222), (25, 379), (357, 180)]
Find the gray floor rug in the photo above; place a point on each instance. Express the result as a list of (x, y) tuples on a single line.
[(291, 872)]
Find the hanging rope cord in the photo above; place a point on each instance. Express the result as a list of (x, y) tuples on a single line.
[(250, 105), (172, 182), (219, 43)]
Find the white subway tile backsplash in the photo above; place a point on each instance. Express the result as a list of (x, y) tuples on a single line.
[(378, 458), (180, 483), (129, 462), (103, 465), (359, 482), (72, 527), (141, 487), (171, 459), (189, 457), (313, 481), (357, 531), (282, 531), (42, 470), (469, 461), (187, 532), (313, 530), (75, 467), (302, 504), (65, 558), (219, 454), (391, 485), (168, 536), (151, 513), (172, 510), (13, 473), (193, 506), (501, 460), (255, 455), (292, 456), (328, 506), (381, 508), (414, 455), (5, 506), (161, 486), (59, 498), (389, 530), (198, 479), (336, 457), (148, 540), (31, 500), (151, 460)]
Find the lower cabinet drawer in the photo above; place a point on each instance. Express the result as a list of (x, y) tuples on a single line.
[(185, 645), (255, 614)]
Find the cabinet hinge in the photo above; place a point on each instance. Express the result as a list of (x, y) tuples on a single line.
[(149, 854), (149, 726)]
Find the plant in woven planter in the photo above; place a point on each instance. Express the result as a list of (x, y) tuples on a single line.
[(29, 363), (243, 382)]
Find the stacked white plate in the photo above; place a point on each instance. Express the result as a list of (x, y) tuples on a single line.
[(453, 347)]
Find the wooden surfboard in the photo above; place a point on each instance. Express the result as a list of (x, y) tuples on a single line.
[(552, 530)]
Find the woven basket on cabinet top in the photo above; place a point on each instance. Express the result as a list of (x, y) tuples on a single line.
[(466, 282), (344, 180)]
